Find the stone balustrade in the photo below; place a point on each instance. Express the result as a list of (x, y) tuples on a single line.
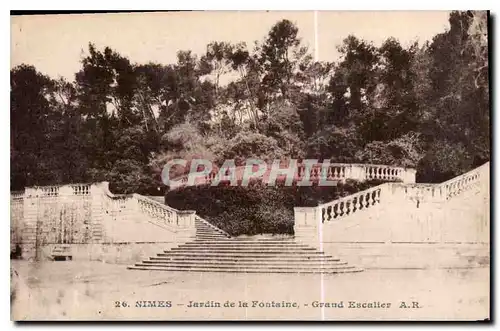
[(17, 195), (164, 215), (422, 192), (140, 206), (397, 197), (54, 191), (457, 185), (360, 172), (331, 172), (77, 213), (351, 204), (80, 189)]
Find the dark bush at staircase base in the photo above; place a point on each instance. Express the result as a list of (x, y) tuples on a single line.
[(257, 208)]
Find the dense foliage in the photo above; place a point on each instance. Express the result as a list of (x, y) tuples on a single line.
[(425, 105), (257, 208)]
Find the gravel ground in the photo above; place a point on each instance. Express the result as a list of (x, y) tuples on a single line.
[(92, 291)]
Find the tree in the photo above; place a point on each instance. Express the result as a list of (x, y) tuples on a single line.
[(424, 105), (106, 84), (459, 98), (45, 130), (280, 57), (354, 80)]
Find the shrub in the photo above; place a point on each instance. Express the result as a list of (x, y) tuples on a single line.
[(257, 208)]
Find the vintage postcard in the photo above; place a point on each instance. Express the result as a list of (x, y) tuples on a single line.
[(240, 166)]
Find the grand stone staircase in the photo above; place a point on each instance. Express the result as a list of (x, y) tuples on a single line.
[(394, 220), (213, 250)]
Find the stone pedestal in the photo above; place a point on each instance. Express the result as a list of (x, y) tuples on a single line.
[(308, 225), (185, 218), (97, 210), (410, 175)]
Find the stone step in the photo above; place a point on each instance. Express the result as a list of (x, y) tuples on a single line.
[(243, 249), (248, 266), (261, 258), (246, 263), (234, 255), (243, 244), (217, 242), (247, 245), (208, 228), (235, 270), (240, 250), (205, 228), (203, 237), (226, 240), (209, 232)]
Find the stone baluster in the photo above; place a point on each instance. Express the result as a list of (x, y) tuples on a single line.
[(360, 202), (326, 214), (330, 172), (300, 171), (349, 210)]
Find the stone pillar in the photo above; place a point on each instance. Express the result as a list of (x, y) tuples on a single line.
[(185, 218), (307, 225), (29, 223), (409, 175), (65, 191), (185, 223), (356, 172), (97, 211), (348, 171)]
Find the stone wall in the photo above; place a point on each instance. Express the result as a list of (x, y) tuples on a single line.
[(96, 223), (405, 223), (115, 253)]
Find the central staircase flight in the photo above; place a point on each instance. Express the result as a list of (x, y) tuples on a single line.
[(213, 250)]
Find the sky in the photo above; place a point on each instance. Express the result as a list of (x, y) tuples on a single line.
[(54, 44)]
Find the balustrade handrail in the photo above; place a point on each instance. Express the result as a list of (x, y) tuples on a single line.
[(459, 177), (57, 185), (17, 194), (346, 171), (354, 195), (438, 191), (111, 195), (154, 202), (367, 165), (166, 207)]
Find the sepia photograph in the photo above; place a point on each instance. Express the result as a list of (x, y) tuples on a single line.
[(250, 166)]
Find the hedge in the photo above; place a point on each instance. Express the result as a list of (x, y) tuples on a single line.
[(257, 208)]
